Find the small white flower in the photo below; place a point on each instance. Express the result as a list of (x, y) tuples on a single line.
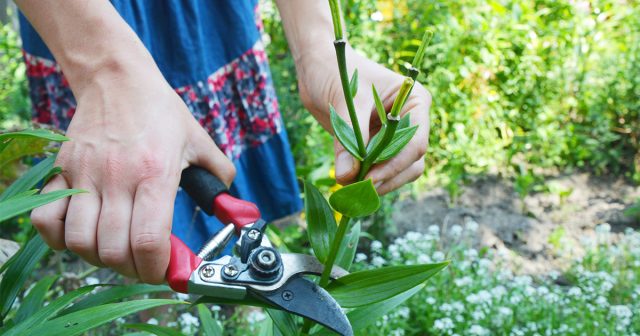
[(188, 323), (443, 324), (505, 311), (464, 281), (477, 330), (430, 300), (377, 16), (256, 316), (91, 281), (216, 308), (376, 246), (455, 231), (575, 291), (182, 297), (360, 257), (152, 321), (472, 226), (438, 256), (434, 230), (378, 261)]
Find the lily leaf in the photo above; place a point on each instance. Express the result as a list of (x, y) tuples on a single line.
[(400, 139), (366, 287), (33, 133), (20, 268), (348, 248), (353, 84), (356, 200), (373, 142), (113, 294), (29, 179), (210, 327), (382, 113), (321, 225), (154, 329), (284, 322), (19, 204), (405, 121), (78, 322), (33, 301), (344, 133)]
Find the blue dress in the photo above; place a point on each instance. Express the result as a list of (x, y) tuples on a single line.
[(211, 53)]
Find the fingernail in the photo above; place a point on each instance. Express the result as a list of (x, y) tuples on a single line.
[(344, 164)]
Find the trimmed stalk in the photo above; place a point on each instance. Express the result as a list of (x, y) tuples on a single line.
[(340, 46)]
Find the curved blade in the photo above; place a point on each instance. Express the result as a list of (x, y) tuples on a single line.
[(304, 298)]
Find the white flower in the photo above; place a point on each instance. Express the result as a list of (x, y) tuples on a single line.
[(603, 228), (216, 308), (404, 312), (471, 254), (505, 311), (91, 281), (455, 231), (478, 315), (438, 256), (430, 300), (182, 297), (434, 230), (256, 316), (443, 324), (377, 16), (360, 257), (477, 330), (188, 323), (575, 291), (378, 261), (376, 246), (152, 321), (499, 291), (472, 226), (464, 281), (424, 258)]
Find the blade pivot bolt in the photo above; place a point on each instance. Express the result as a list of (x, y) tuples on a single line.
[(230, 270), (207, 271), (254, 234), (266, 258), (287, 295)]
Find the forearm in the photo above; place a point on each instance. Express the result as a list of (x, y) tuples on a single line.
[(89, 40)]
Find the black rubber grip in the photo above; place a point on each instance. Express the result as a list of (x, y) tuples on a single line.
[(202, 186)]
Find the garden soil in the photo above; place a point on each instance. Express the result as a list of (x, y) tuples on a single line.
[(539, 233)]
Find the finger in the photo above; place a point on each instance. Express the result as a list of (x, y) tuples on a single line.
[(151, 227), (203, 152), (81, 223), (408, 175), (49, 219), (114, 225)]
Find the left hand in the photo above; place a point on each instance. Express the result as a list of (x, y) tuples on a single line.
[(319, 84)]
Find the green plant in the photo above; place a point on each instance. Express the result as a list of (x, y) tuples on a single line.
[(74, 312)]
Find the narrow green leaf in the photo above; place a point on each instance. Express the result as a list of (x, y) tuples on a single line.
[(353, 84), (400, 139), (113, 294), (29, 179), (347, 250), (17, 205), (321, 225), (210, 327), (404, 122), (356, 200), (33, 301), (248, 301), (344, 133), (154, 329), (266, 328), (78, 322), (48, 311), (284, 322), (366, 287), (22, 264), (382, 113), (376, 139), (4, 144), (33, 133), (362, 317)]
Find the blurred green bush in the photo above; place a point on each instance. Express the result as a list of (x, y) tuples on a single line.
[(519, 86)]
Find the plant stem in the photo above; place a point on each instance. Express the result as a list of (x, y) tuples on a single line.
[(335, 17), (340, 46), (389, 132), (333, 253)]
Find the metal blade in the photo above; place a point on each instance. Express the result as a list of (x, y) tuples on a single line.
[(304, 298)]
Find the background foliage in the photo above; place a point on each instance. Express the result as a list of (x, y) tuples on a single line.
[(519, 86)]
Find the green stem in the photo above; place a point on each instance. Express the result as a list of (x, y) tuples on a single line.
[(335, 17), (333, 252), (340, 46), (389, 132)]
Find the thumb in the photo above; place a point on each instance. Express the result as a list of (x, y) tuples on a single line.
[(203, 152), (347, 166)]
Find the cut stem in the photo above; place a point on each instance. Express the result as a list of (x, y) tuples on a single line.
[(333, 252), (340, 46)]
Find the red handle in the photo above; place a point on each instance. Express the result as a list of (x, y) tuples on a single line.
[(182, 263), (239, 212)]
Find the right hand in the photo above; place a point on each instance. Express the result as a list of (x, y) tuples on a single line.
[(131, 136)]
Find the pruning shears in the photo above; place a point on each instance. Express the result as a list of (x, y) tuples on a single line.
[(258, 270)]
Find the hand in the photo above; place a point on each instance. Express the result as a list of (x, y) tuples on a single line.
[(131, 136), (319, 83)]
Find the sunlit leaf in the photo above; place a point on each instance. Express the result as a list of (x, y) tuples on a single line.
[(366, 287), (17, 205), (154, 329), (210, 327), (400, 139), (344, 133), (353, 83), (356, 200), (348, 248), (33, 133), (382, 113), (404, 122), (321, 225), (78, 322), (21, 266)]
